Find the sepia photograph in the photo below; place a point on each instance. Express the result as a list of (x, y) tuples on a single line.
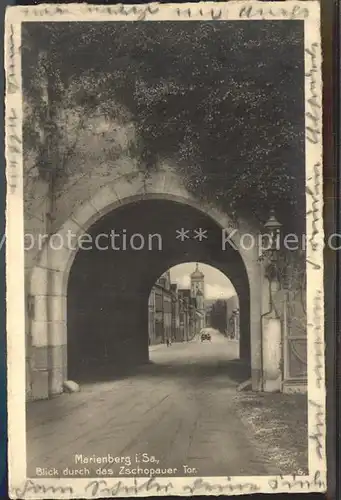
[(171, 273)]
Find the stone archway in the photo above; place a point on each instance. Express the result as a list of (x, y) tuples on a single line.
[(49, 278), (108, 290)]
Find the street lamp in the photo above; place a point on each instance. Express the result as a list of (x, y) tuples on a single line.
[(274, 229)]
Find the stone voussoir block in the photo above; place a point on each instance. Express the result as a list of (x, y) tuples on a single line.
[(69, 232), (54, 255), (83, 213), (220, 217), (129, 185), (104, 198), (174, 187), (156, 182)]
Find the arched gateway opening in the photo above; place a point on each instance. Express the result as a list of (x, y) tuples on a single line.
[(110, 281), (190, 300)]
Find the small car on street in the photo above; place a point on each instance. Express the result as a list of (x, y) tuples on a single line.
[(205, 336)]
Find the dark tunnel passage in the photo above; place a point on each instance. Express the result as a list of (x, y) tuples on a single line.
[(108, 289)]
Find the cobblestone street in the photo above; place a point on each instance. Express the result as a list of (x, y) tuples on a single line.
[(180, 409)]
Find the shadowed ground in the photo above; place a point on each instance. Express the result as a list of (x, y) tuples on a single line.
[(181, 408)]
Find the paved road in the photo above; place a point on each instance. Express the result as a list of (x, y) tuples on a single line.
[(178, 409)]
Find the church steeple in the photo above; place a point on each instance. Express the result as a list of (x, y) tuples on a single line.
[(197, 282), (197, 274), (198, 292)]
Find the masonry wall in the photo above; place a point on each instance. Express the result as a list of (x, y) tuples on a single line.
[(36, 207)]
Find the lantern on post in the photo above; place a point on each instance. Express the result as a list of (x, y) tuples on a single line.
[(273, 228), (273, 233)]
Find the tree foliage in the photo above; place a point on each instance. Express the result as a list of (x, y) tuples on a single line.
[(218, 316), (223, 100)]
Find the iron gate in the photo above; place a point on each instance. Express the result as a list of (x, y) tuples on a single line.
[(295, 336)]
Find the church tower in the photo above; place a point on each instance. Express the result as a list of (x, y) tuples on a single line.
[(197, 282), (198, 292)]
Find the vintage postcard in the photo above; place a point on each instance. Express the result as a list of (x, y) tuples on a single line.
[(165, 249)]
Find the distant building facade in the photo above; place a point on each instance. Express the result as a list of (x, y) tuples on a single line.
[(160, 311), (176, 314), (223, 314)]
